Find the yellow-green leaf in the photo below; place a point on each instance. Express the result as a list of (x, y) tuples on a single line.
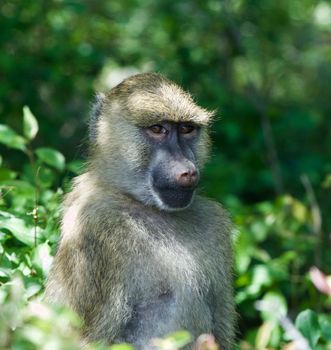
[(11, 139), (51, 157), (30, 124)]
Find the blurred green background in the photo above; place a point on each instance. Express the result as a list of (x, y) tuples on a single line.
[(264, 65)]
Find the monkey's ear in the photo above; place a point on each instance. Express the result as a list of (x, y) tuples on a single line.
[(95, 115)]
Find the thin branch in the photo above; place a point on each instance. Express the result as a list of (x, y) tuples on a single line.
[(316, 217), (272, 154)]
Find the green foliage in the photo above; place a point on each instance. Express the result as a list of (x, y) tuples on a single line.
[(308, 325), (33, 324), (263, 65), (9, 138), (271, 250), (275, 246), (174, 341), (51, 157), (30, 124)]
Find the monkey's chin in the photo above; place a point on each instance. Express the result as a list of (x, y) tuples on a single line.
[(170, 199)]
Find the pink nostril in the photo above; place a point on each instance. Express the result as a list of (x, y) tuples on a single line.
[(188, 178)]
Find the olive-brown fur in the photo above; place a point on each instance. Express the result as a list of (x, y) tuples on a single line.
[(130, 269)]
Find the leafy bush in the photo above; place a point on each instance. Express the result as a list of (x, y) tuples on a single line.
[(275, 246), (265, 65)]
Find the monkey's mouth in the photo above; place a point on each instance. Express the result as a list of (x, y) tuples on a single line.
[(175, 197)]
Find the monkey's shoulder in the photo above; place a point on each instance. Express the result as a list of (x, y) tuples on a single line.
[(106, 214), (88, 196), (210, 210)]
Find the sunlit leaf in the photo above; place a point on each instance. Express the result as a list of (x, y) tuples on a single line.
[(76, 166), (175, 340), (19, 229), (244, 248), (327, 181), (42, 258), (273, 306), (263, 335), (6, 174), (123, 346), (307, 323), (46, 177), (51, 157), (30, 124), (325, 324), (261, 277), (11, 139)]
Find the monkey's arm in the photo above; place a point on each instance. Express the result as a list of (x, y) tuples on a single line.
[(224, 314), (86, 276), (224, 319)]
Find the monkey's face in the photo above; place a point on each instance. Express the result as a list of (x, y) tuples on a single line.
[(173, 173), (151, 139)]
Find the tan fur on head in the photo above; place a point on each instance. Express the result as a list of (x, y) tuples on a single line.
[(150, 98), (120, 154), (139, 101)]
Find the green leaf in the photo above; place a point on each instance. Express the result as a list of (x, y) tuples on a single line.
[(42, 258), (307, 323), (19, 229), (30, 124), (274, 306), (264, 334), (20, 194), (325, 324), (175, 340), (122, 346), (180, 338), (46, 177), (51, 157), (6, 174), (11, 139), (76, 166), (261, 276)]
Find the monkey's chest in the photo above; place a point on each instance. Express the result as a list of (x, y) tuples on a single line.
[(170, 293), (170, 275)]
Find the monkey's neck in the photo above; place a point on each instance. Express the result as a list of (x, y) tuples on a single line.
[(106, 191)]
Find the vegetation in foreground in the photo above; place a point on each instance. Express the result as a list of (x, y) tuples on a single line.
[(264, 65), (276, 245)]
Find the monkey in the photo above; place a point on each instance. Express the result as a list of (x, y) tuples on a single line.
[(141, 254)]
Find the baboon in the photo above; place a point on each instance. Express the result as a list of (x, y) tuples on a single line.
[(141, 255)]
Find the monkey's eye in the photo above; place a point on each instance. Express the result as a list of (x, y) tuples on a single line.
[(157, 129), (186, 128)]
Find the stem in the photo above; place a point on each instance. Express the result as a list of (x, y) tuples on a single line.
[(35, 216), (316, 217), (272, 154)]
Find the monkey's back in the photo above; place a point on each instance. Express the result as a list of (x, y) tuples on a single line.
[(134, 273)]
